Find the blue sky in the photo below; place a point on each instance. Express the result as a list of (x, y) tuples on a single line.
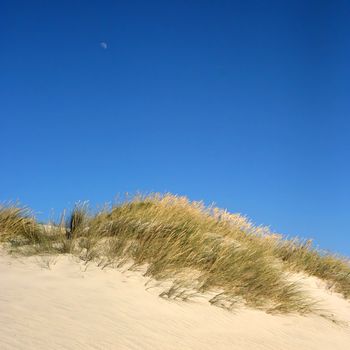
[(241, 103)]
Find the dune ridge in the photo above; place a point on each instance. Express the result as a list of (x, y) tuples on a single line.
[(64, 285)]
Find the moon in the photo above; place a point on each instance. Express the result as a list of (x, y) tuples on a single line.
[(103, 44)]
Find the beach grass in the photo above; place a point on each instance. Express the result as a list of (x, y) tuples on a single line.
[(200, 249)]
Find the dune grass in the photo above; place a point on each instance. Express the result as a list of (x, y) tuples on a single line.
[(299, 256), (16, 222), (201, 249)]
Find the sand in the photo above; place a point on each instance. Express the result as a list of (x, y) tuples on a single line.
[(47, 304)]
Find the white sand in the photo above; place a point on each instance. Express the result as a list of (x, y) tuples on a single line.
[(66, 308)]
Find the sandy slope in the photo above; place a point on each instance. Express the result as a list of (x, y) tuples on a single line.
[(66, 308)]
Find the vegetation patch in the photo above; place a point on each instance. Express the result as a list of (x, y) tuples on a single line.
[(173, 236)]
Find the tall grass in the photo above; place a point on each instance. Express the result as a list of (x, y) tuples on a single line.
[(299, 256), (201, 249), (77, 220), (17, 222)]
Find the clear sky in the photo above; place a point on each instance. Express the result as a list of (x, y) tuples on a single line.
[(241, 103)]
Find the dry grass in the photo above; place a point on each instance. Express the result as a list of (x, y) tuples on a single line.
[(299, 256), (200, 249), (15, 223)]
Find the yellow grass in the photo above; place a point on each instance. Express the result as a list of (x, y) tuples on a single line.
[(201, 249)]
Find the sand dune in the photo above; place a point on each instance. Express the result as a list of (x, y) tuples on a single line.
[(65, 307)]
